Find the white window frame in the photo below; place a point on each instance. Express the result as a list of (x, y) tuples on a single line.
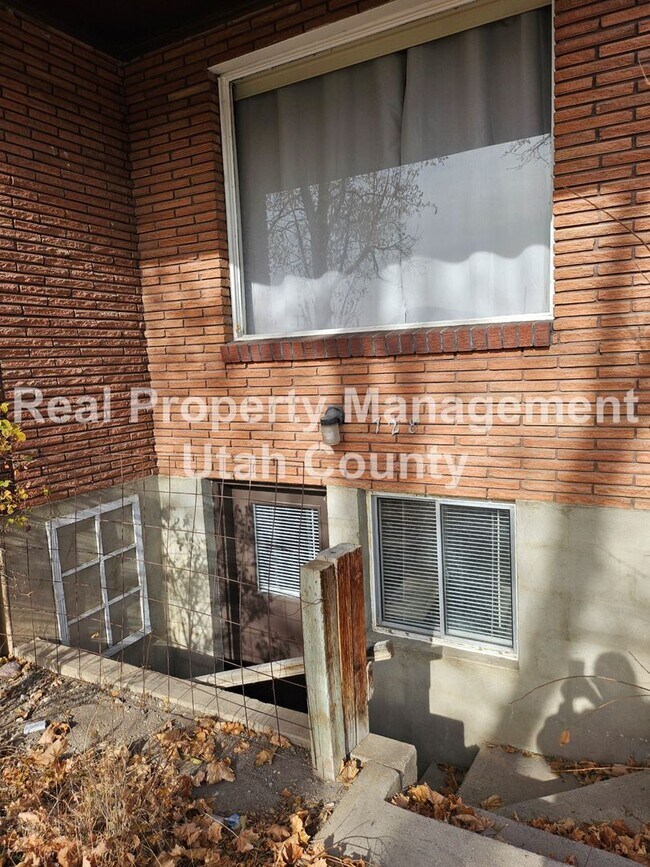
[(64, 623), (406, 21), (428, 638)]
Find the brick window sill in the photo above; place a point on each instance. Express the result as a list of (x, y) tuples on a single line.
[(421, 341)]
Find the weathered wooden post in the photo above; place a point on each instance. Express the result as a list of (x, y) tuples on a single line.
[(334, 640)]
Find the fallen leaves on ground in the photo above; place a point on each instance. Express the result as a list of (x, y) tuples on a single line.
[(214, 772), (453, 777), (424, 800), (615, 837), (108, 807), (264, 757), (587, 772)]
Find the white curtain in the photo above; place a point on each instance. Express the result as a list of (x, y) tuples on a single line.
[(413, 188)]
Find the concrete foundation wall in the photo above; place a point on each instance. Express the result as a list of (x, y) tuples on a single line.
[(179, 554), (583, 596), (582, 600), (188, 555)]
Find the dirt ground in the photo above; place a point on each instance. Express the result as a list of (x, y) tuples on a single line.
[(96, 716)]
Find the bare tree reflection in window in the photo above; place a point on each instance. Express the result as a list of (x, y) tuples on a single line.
[(349, 229)]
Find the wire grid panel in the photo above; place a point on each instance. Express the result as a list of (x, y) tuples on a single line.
[(162, 576)]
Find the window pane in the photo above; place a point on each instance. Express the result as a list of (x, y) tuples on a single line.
[(89, 633), (77, 543), (477, 573), (411, 188), (408, 564), (82, 591), (126, 617), (117, 528), (121, 573), (285, 538)]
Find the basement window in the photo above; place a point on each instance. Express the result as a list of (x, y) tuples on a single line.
[(445, 569), (100, 587), (285, 538)]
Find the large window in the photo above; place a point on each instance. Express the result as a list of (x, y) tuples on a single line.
[(411, 188), (445, 568), (100, 586)]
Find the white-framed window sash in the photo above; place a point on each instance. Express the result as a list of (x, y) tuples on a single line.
[(102, 557)]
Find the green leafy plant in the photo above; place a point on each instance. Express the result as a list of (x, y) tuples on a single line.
[(13, 493)]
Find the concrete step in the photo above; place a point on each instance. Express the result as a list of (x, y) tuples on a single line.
[(547, 845), (626, 797), (365, 825), (433, 777), (513, 776)]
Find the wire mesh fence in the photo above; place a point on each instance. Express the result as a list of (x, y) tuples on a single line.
[(185, 589)]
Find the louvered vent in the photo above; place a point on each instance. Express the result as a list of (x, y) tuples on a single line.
[(408, 564), (285, 538), (477, 573)]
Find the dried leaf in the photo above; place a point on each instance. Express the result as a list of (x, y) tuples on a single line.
[(291, 851), (54, 732), (231, 728), (214, 832), (264, 757), (246, 841), (278, 833), (492, 803), (219, 770), (298, 828), (349, 771), (279, 740)]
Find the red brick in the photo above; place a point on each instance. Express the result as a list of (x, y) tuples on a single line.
[(393, 346)]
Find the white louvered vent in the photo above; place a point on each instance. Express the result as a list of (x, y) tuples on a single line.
[(285, 538), (409, 564), (426, 548), (477, 573)]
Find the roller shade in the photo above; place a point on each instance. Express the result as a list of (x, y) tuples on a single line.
[(285, 538)]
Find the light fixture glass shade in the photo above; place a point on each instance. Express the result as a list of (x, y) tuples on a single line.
[(331, 434), (330, 425)]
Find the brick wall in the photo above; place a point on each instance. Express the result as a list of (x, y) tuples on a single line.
[(71, 308), (601, 343), (70, 305)]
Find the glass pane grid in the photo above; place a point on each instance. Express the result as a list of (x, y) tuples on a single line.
[(107, 591)]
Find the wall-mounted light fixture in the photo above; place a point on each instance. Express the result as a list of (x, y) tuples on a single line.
[(330, 425)]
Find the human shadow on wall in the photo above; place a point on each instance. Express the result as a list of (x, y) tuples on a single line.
[(594, 709)]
